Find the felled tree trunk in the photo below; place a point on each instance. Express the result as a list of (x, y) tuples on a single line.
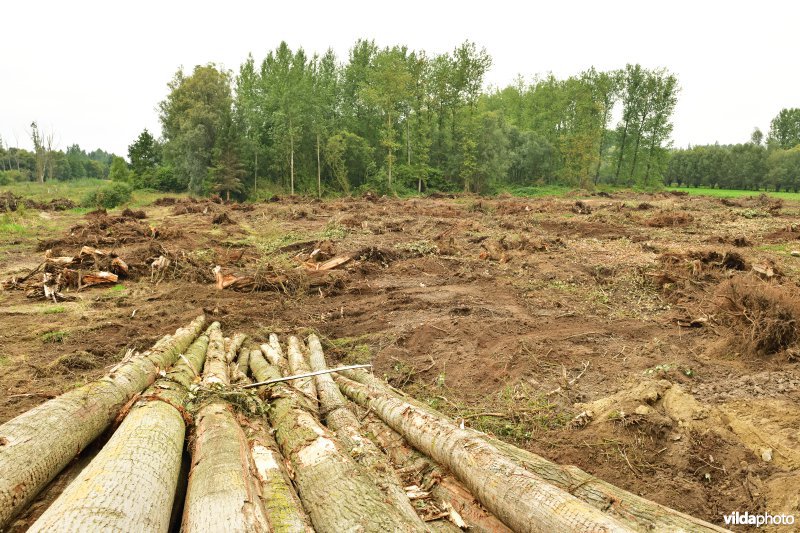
[(632, 510), (347, 427), (215, 371), (282, 504), (299, 365), (221, 495), (521, 500), (233, 347), (335, 492), (37, 444), (448, 493), (240, 367), (130, 485)]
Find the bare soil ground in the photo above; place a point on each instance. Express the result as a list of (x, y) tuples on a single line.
[(651, 340)]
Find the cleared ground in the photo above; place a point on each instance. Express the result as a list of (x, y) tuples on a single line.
[(649, 339)]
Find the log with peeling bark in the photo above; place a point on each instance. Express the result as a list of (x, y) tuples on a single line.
[(448, 493), (299, 365), (233, 347), (629, 508), (272, 352), (215, 371), (520, 499), (130, 485), (347, 427), (281, 502), (334, 490), (36, 445), (240, 368), (222, 495)]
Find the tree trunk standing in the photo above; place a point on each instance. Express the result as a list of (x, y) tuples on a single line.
[(291, 156), (331, 485), (221, 495), (606, 114), (636, 147), (130, 485), (621, 150), (347, 427), (299, 365), (514, 495), (651, 151), (319, 171), (390, 142), (39, 443), (255, 174), (281, 503), (408, 142), (627, 507)]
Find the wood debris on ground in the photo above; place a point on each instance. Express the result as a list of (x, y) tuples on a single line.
[(329, 452)]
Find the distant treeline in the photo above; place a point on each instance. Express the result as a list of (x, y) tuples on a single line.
[(394, 119), (398, 120), (47, 163), (756, 165)]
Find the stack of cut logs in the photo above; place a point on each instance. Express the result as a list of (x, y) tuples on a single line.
[(335, 452)]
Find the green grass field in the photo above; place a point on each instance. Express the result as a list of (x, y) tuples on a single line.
[(733, 193), (76, 190)]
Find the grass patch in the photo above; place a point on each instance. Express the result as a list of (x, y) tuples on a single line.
[(733, 193), (4, 360), (352, 350), (54, 310), (57, 336), (516, 413), (333, 232), (117, 288), (418, 248)]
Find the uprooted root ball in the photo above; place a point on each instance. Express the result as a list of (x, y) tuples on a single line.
[(765, 316)]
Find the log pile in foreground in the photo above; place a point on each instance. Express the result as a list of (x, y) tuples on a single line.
[(339, 451)]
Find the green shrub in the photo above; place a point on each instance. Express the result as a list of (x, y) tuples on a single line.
[(108, 197), (7, 177)]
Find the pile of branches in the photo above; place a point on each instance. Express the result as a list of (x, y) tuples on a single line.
[(102, 229), (9, 202), (56, 274)]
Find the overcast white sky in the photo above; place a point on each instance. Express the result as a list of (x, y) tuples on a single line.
[(94, 71)]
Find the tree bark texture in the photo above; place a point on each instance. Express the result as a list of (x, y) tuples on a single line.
[(344, 423), (334, 491), (282, 504), (521, 500), (429, 476), (633, 510), (299, 365), (38, 444), (130, 485), (215, 371), (222, 495)]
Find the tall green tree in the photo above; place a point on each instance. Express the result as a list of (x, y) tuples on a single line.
[(194, 116), (388, 87), (145, 156), (784, 130)]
